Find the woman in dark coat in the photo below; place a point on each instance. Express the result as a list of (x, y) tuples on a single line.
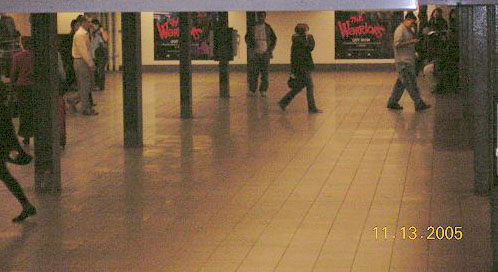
[(8, 143), (301, 67)]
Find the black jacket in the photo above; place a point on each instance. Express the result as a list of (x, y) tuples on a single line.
[(301, 59), (270, 35)]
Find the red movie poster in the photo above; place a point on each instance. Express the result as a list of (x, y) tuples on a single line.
[(167, 34), (365, 34)]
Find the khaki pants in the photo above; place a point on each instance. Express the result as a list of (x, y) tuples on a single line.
[(84, 79)]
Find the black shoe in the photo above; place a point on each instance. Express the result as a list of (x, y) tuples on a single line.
[(282, 106), (423, 107), (27, 212), (315, 110), (394, 106)]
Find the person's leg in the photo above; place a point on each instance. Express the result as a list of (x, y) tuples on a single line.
[(397, 92), (14, 187), (410, 81), (264, 65), (83, 82), (22, 97), (253, 74), (288, 97), (308, 81)]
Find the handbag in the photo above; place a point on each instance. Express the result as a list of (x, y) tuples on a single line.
[(294, 83)]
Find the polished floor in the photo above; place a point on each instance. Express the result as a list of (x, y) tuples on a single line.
[(245, 187)]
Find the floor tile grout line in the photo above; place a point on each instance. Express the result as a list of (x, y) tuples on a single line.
[(290, 194), (340, 207), (299, 149)]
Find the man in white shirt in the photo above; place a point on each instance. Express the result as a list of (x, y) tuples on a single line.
[(261, 41), (83, 65)]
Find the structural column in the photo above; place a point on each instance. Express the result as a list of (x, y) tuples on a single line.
[(132, 79), (223, 65), (185, 65), (482, 93), (46, 89)]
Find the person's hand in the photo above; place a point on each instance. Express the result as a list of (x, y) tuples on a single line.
[(92, 66), (414, 40)]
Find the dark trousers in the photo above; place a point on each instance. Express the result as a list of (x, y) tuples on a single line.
[(26, 112), (406, 80), (99, 74), (259, 66), (307, 81), (10, 182)]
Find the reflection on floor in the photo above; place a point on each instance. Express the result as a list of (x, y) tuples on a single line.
[(246, 187)]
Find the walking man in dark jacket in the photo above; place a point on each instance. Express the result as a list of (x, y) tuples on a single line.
[(301, 67), (261, 41)]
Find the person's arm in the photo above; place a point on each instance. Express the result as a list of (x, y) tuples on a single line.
[(14, 70), (105, 35), (400, 42), (311, 42), (273, 39)]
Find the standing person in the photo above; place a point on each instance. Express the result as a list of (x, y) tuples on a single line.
[(8, 143), (261, 41), (301, 67), (404, 58), (83, 65), (99, 53), (437, 22), (67, 59), (20, 73)]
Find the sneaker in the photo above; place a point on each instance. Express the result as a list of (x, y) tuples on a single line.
[(315, 110), (263, 94), (423, 107), (249, 93), (395, 106)]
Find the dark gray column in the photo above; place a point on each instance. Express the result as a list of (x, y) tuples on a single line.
[(47, 146), (250, 22), (223, 65), (482, 69), (464, 27), (185, 65), (132, 79)]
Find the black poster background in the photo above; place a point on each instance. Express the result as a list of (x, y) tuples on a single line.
[(166, 35), (352, 42)]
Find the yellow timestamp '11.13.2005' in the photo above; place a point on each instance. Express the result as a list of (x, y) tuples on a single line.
[(413, 233)]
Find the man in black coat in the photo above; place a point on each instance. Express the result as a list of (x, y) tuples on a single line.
[(301, 67), (261, 41)]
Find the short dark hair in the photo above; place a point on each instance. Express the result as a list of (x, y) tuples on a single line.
[(96, 22), (410, 16)]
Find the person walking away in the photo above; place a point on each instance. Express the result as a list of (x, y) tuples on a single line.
[(301, 67), (20, 73), (83, 65), (99, 53), (8, 143), (404, 59), (261, 41)]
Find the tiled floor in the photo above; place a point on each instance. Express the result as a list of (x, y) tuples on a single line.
[(246, 187)]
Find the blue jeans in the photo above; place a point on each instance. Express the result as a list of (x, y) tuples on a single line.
[(259, 65), (406, 80)]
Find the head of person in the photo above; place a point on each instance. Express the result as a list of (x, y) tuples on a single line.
[(410, 19), (260, 17), (96, 24), (75, 25), (84, 22), (437, 13), (301, 29)]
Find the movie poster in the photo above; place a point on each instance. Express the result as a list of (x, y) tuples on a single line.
[(365, 34), (167, 34)]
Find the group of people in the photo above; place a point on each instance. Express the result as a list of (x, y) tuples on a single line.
[(85, 57), (261, 41), (81, 64)]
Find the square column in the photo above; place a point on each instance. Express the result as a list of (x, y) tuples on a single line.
[(185, 65), (132, 79), (223, 64), (46, 91)]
